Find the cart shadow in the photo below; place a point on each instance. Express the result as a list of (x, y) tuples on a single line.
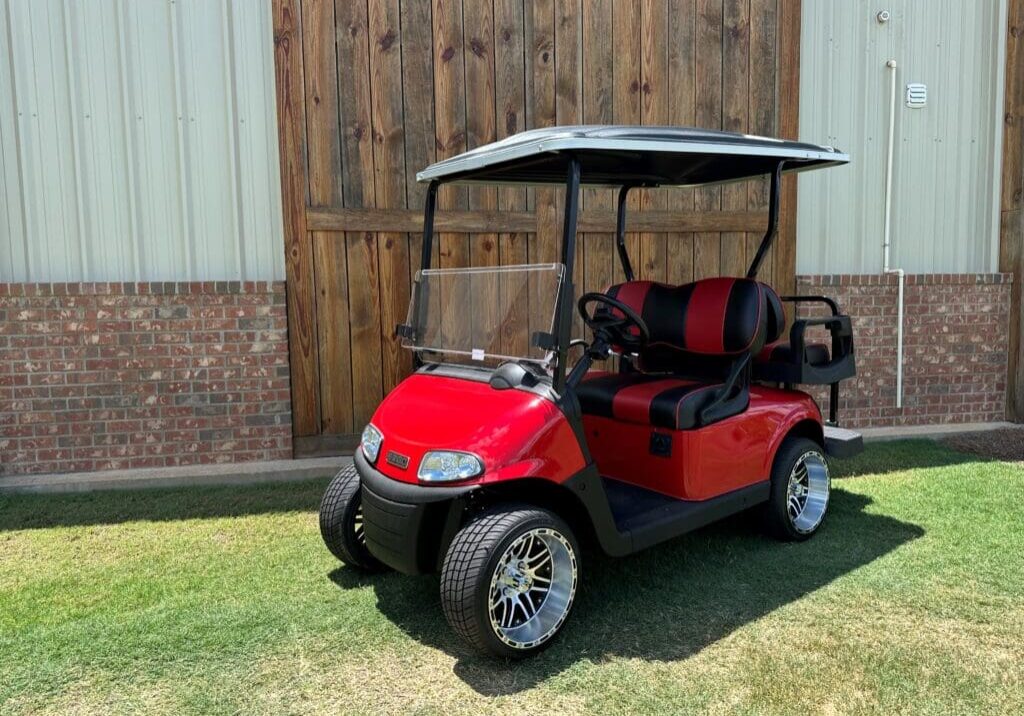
[(665, 604)]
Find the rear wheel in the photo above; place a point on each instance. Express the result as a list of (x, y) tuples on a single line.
[(800, 490), (509, 580), (341, 521)]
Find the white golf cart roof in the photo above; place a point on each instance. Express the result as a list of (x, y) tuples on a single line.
[(630, 155)]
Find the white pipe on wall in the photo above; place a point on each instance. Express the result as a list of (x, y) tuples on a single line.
[(887, 233)]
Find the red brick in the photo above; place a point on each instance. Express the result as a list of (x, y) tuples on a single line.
[(109, 376)]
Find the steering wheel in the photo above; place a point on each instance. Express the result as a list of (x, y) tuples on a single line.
[(615, 330)]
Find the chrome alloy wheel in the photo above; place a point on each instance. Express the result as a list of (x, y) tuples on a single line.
[(532, 588), (808, 492)]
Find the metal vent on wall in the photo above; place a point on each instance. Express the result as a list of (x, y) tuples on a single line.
[(917, 95)]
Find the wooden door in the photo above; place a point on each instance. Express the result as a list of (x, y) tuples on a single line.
[(371, 91)]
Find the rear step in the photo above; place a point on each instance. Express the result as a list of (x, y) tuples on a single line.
[(841, 443), (649, 517)]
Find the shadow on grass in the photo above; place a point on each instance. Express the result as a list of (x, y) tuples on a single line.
[(898, 455), (39, 511), (664, 604)]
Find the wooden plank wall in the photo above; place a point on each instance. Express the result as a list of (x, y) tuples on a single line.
[(371, 91), (1011, 235)]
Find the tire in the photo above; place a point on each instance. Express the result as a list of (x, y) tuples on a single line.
[(473, 567), (796, 514), (341, 516)]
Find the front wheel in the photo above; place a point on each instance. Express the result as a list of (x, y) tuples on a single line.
[(509, 579), (341, 521), (800, 490)]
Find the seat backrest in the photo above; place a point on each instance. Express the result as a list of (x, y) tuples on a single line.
[(776, 318), (711, 317)]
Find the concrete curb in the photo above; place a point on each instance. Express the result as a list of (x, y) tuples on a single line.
[(932, 432), (249, 473)]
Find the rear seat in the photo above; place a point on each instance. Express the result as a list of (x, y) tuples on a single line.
[(794, 360)]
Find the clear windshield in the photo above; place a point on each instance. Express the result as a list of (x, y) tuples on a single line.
[(483, 315)]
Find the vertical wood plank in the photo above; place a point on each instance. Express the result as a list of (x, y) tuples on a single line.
[(707, 246), (510, 111), (389, 182), (418, 109), (450, 126), (600, 267), (478, 39), (763, 16), (784, 261), (735, 67), (330, 258), (568, 107), (1011, 234), (291, 118), (355, 116), (543, 248), (654, 91), (626, 89), (682, 69), (330, 270)]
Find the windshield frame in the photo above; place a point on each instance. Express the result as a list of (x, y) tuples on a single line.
[(557, 341)]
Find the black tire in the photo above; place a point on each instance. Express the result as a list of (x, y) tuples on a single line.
[(778, 519), (471, 563), (341, 521)]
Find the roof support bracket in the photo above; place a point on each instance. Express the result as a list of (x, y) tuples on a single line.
[(773, 221)]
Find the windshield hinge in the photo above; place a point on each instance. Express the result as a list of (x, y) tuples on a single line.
[(544, 341), (403, 330)]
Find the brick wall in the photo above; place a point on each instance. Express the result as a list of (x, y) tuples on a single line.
[(106, 376), (955, 347)]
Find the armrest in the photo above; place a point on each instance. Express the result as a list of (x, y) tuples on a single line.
[(839, 327), (814, 299)]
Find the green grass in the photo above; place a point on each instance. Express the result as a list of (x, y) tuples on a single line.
[(910, 600)]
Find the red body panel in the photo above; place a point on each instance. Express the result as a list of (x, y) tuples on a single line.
[(520, 434), (515, 433), (704, 463)]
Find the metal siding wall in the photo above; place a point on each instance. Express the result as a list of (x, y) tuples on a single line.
[(946, 157), (138, 141)]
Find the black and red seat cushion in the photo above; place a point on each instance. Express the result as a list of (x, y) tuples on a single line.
[(656, 400), (716, 316)]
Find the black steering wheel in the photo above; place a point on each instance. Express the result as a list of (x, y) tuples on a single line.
[(614, 329)]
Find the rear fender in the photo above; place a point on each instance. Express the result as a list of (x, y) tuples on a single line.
[(803, 423)]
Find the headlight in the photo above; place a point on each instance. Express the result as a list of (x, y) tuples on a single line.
[(445, 465), (371, 442)]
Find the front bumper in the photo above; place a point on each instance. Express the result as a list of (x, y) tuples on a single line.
[(408, 527)]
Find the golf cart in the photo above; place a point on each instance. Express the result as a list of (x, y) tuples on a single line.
[(505, 450)]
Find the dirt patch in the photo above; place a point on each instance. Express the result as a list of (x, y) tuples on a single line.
[(1003, 444)]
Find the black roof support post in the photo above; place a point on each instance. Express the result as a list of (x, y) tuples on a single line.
[(428, 224), (566, 294), (620, 232), (773, 222)]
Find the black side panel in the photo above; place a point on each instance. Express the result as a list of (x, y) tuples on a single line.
[(649, 517)]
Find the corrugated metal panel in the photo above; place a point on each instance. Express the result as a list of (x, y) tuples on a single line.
[(945, 180), (138, 141)]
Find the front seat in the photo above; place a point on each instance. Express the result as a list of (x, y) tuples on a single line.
[(694, 370)]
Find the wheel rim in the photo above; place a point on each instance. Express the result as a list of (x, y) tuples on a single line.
[(807, 493), (532, 588)]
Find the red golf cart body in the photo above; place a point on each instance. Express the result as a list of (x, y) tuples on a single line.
[(682, 433)]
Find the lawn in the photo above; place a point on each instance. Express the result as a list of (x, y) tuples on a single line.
[(910, 600)]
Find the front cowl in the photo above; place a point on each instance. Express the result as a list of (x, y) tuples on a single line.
[(516, 433)]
